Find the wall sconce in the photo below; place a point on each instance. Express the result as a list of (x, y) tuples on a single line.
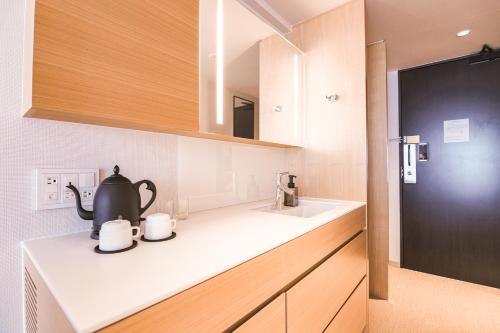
[(332, 98)]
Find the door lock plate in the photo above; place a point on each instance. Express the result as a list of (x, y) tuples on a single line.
[(409, 163)]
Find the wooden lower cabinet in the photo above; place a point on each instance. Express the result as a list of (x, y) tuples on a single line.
[(271, 319), (314, 300), (352, 318), (302, 283), (220, 303), (41, 310)]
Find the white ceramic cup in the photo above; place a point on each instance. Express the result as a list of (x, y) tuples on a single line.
[(117, 235), (158, 226)]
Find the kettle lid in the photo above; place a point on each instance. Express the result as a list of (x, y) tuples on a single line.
[(116, 178)]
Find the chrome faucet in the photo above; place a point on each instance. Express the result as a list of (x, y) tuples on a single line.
[(280, 189)]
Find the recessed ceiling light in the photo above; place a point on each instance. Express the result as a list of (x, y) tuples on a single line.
[(463, 33)]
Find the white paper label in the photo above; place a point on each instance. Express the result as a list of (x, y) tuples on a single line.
[(456, 130)]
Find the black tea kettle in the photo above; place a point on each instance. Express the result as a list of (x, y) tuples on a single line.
[(116, 196)]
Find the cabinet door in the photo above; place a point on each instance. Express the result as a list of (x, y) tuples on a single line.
[(42, 312), (314, 300), (271, 319), (131, 64), (352, 316)]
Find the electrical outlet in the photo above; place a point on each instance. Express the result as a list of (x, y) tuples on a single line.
[(69, 179), (51, 190), (68, 196), (87, 194)]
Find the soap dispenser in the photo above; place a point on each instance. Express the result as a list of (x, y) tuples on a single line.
[(292, 200)]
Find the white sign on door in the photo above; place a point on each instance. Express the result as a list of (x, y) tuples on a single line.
[(456, 130)]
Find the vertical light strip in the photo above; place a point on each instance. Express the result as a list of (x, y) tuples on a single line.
[(296, 94), (220, 63)]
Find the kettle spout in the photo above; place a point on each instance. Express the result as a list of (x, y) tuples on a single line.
[(84, 214)]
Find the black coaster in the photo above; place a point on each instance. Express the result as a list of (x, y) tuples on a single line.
[(134, 244), (172, 236)]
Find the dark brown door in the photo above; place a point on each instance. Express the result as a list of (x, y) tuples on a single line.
[(451, 215)]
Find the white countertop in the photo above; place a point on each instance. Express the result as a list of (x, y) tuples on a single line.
[(95, 290)]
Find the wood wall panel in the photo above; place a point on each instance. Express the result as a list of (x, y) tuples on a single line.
[(219, 303), (333, 163), (127, 64), (378, 186)]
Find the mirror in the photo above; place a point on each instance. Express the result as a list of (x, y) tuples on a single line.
[(251, 77)]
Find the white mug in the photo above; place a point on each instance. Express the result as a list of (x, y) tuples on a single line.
[(158, 226), (117, 235)]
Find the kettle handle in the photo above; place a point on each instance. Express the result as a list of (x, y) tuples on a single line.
[(150, 186)]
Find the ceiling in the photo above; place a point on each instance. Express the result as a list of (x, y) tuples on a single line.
[(296, 11), (424, 31), (416, 32)]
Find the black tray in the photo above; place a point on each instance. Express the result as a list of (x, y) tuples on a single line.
[(97, 250), (172, 236)]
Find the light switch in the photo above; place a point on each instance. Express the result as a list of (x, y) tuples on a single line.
[(86, 180)]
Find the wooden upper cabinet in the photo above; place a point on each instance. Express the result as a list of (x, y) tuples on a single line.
[(131, 64)]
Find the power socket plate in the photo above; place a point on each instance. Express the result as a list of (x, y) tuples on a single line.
[(51, 191)]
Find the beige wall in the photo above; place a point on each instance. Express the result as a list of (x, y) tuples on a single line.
[(334, 161), (378, 201)]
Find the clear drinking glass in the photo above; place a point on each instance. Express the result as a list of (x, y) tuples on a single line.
[(165, 206), (182, 208)]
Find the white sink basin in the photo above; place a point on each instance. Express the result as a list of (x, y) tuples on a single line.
[(306, 208)]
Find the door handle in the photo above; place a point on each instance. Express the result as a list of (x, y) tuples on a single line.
[(409, 152), (410, 163)]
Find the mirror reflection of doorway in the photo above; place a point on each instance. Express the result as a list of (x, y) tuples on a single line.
[(243, 118)]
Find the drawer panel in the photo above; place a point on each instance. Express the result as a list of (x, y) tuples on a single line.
[(314, 300), (352, 316), (271, 319)]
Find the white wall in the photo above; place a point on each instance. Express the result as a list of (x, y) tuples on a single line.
[(26, 144), (393, 172)]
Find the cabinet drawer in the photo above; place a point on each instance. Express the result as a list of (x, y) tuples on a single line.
[(314, 300), (352, 316), (271, 319)]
